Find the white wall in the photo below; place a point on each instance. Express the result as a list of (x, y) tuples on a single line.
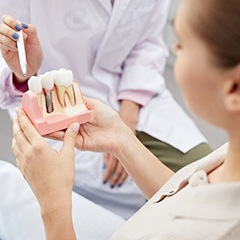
[(5, 137)]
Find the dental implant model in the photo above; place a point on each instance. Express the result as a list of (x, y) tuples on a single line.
[(35, 85), (64, 82), (54, 101), (48, 84)]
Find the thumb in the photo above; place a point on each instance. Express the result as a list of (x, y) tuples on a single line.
[(69, 139)]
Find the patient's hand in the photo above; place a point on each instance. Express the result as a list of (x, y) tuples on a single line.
[(49, 173)]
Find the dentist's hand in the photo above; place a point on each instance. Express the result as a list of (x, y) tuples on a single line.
[(9, 29), (115, 172)]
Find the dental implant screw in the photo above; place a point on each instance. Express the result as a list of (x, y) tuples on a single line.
[(49, 102)]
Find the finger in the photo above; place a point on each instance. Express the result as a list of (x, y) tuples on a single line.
[(112, 164), (29, 130), (117, 175), (31, 32), (69, 140), (9, 33), (19, 139), (122, 178), (88, 102), (8, 38), (6, 49), (91, 103), (18, 154), (19, 165), (56, 135), (106, 159), (15, 148), (11, 22)]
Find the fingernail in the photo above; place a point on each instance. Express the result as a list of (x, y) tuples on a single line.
[(4, 16), (112, 186), (15, 36), (104, 166), (104, 182), (18, 27), (24, 25), (75, 127), (119, 185)]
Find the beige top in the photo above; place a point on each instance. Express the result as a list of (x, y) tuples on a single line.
[(187, 207)]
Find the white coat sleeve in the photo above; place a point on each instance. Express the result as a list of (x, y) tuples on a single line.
[(144, 67)]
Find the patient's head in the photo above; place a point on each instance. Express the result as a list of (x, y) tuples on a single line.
[(207, 67), (217, 22)]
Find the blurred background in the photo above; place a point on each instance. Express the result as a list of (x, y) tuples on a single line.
[(215, 136)]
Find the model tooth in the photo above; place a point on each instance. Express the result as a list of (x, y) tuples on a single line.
[(48, 84), (70, 94), (63, 77), (61, 91), (34, 84), (47, 80), (61, 94), (64, 80), (53, 72)]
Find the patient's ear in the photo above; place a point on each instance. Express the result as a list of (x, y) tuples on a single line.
[(232, 90)]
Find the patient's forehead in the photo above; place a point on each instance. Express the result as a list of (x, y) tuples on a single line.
[(182, 19)]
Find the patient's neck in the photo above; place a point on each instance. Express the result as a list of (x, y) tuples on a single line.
[(229, 171)]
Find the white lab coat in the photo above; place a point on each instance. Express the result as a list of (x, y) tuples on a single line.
[(110, 51)]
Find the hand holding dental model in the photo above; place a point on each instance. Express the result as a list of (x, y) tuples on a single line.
[(54, 101)]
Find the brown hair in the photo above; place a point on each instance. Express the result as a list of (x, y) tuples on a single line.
[(217, 22)]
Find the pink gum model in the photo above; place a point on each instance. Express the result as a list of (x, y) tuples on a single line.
[(34, 105)]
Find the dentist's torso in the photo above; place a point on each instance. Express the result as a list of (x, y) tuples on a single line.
[(94, 39)]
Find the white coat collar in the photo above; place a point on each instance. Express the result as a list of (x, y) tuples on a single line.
[(118, 9), (120, 6), (107, 5)]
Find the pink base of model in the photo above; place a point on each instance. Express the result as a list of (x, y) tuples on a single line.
[(47, 123)]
